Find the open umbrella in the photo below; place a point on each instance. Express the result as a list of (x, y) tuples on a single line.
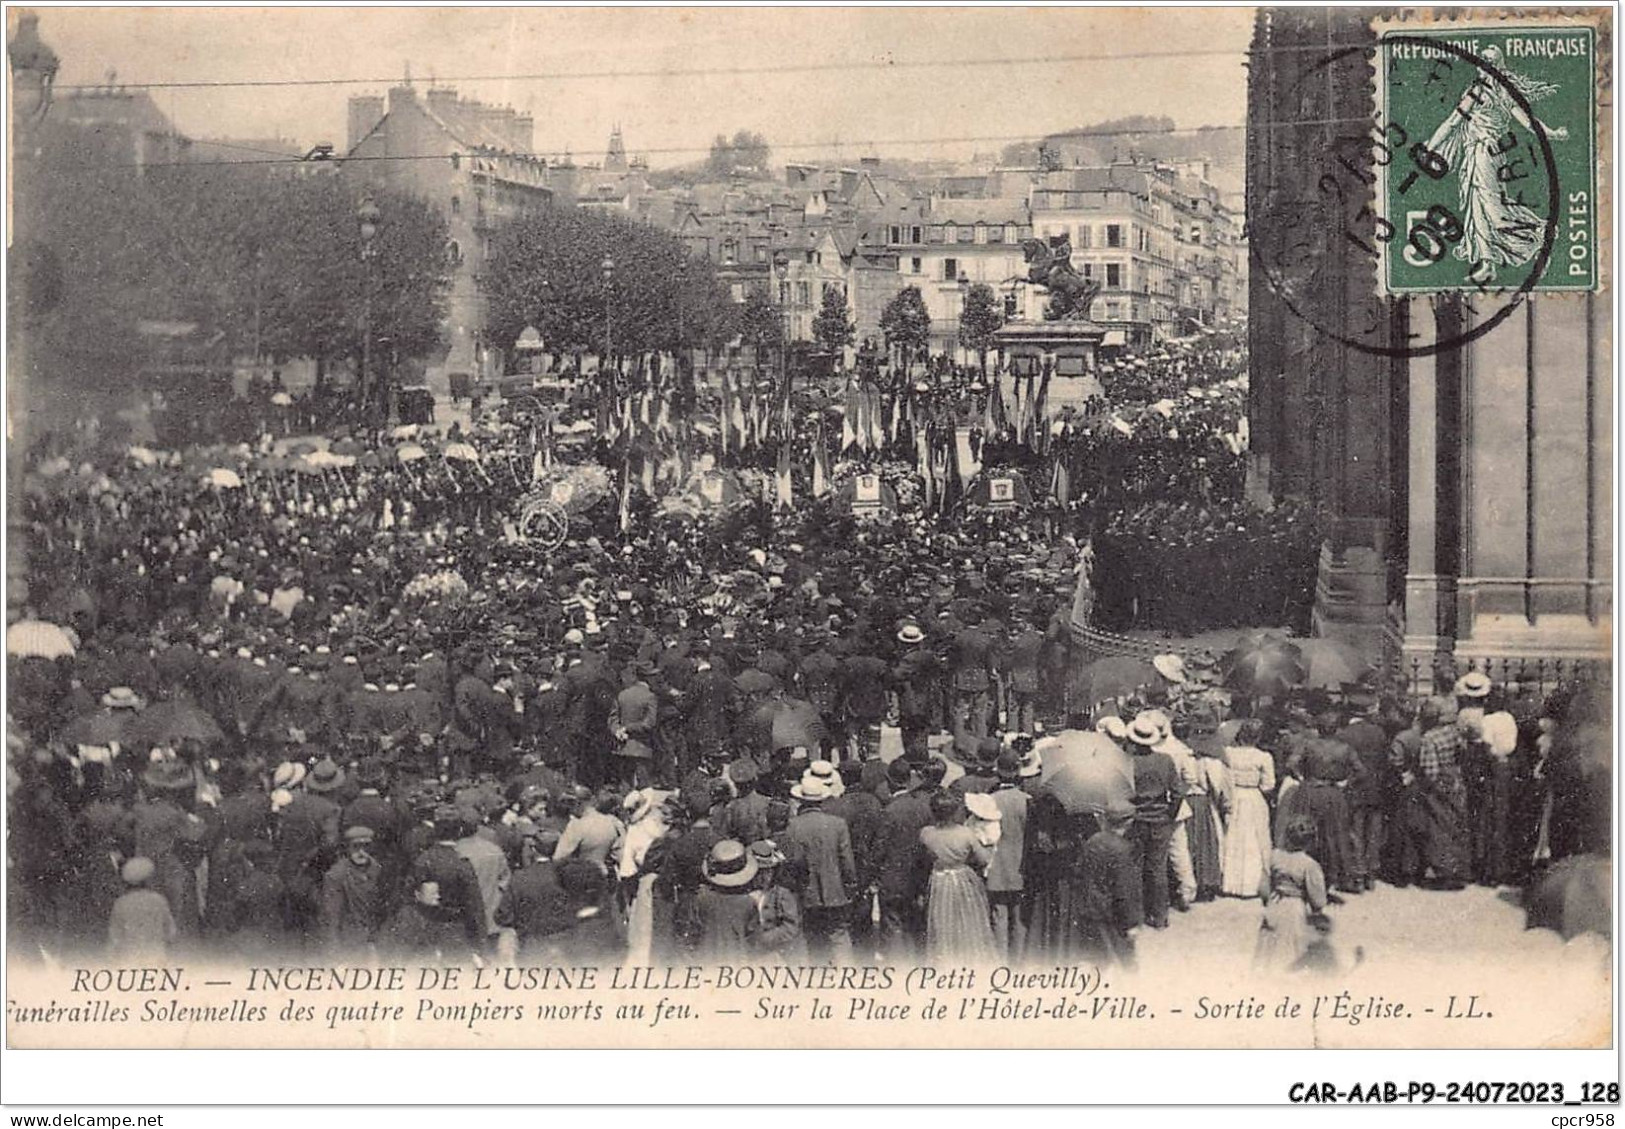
[(281, 399), (1086, 771), (179, 719), (223, 478), (462, 452), (405, 431), (1116, 676), (786, 723), (1575, 896), (409, 452), (1264, 664), (103, 727), (34, 638), (1330, 663)]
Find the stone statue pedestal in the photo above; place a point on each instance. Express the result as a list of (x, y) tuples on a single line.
[(1069, 346)]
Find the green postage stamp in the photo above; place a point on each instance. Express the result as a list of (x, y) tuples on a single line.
[(1492, 182)]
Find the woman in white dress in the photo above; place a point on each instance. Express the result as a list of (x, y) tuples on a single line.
[(1247, 843)]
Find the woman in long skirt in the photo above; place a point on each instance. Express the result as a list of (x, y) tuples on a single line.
[(1295, 899), (1247, 832), (957, 923), (1208, 804)]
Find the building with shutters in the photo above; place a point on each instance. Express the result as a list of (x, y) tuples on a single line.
[(472, 161)]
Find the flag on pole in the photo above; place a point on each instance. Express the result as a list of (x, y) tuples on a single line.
[(786, 498), (1040, 430), (965, 461), (922, 451), (1061, 482), (626, 495), (820, 465)]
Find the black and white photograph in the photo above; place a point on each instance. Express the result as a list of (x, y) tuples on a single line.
[(819, 528)]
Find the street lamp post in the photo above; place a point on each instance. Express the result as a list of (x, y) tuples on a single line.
[(608, 267), (367, 216), (964, 301), (781, 267)]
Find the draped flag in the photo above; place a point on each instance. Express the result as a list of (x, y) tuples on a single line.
[(820, 462), (848, 434), (877, 426), (626, 496), (922, 449), (964, 461), (1061, 482), (739, 419), (786, 497), (1040, 425)]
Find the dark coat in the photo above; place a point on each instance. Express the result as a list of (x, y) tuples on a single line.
[(902, 868), (535, 905), (460, 897), (822, 843), (728, 924), (864, 815)]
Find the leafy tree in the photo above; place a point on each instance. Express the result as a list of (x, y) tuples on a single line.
[(748, 150), (761, 324), (906, 324), (253, 258), (980, 319), (546, 270), (832, 328)]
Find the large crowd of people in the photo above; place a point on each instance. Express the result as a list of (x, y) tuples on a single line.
[(345, 706)]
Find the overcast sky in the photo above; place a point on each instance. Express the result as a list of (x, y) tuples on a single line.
[(672, 118)]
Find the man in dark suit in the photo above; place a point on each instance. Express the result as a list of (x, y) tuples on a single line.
[(901, 876), (745, 817), (1158, 794), (535, 905), (821, 844), (863, 696), (453, 876), (972, 659), (863, 811), (821, 685), (917, 678)]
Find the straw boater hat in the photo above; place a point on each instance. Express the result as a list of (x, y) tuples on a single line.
[(766, 854), (812, 789), (1145, 730), (1112, 726), (911, 633), (982, 805), (729, 864), (1473, 684), (1171, 667), (122, 698), (1032, 763), (828, 774)]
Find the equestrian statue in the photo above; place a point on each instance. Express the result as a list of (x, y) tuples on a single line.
[(1050, 265)]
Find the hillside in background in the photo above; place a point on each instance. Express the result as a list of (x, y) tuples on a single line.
[(1155, 138)]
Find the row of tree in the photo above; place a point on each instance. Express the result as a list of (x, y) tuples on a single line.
[(260, 263), (548, 270)]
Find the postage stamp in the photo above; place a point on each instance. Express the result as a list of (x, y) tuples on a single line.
[(1492, 181)]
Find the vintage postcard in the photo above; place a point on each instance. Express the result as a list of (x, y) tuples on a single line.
[(824, 528)]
